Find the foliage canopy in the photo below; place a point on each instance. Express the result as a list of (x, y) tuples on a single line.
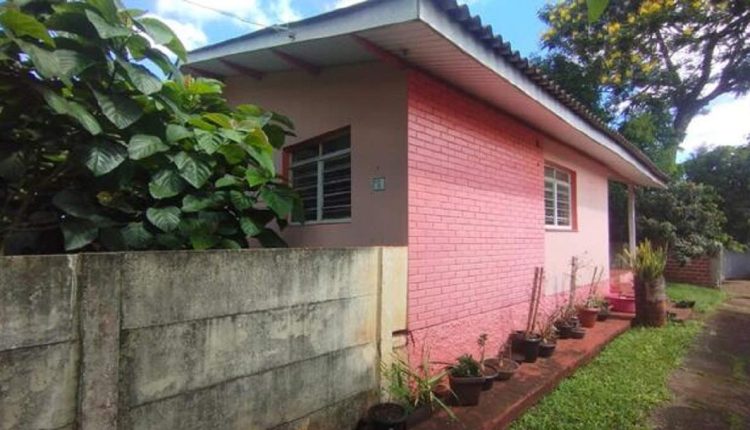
[(95, 145)]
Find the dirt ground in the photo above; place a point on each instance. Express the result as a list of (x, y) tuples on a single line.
[(712, 388)]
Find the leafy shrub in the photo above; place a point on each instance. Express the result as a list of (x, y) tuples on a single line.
[(466, 367), (648, 263), (94, 145)]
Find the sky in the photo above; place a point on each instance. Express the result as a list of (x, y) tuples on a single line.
[(726, 123)]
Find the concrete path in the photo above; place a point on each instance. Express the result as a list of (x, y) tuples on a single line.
[(712, 389)]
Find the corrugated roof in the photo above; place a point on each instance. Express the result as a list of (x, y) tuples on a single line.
[(461, 14)]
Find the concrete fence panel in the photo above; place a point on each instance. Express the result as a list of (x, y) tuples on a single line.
[(254, 339), (736, 265)]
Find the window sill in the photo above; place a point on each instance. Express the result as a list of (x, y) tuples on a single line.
[(553, 229), (322, 222)]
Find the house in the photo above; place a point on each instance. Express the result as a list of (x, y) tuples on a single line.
[(417, 126)]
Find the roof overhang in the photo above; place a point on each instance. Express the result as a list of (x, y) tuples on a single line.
[(443, 39)]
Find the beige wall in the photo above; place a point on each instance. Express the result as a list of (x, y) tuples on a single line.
[(590, 242), (371, 98)]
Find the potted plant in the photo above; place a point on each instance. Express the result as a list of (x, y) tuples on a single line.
[(415, 389), (531, 341), (488, 370), (604, 311), (567, 320), (648, 264), (505, 364), (588, 313), (466, 380), (387, 416), (577, 333), (549, 337)]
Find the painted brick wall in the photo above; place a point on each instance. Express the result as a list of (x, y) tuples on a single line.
[(698, 271), (476, 227)]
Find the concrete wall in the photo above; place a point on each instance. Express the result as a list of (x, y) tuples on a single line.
[(589, 240), (256, 339), (736, 265), (371, 98)]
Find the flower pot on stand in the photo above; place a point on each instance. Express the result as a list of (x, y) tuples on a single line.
[(387, 416), (587, 316)]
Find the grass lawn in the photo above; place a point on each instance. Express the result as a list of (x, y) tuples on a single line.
[(627, 380)]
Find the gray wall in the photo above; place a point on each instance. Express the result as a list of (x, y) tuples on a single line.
[(253, 339), (736, 265)]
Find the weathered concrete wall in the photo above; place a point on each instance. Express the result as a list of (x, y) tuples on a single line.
[(255, 339)]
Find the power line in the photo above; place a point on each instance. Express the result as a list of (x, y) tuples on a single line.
[(276, 27)]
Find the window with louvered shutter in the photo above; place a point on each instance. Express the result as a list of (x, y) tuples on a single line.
[(558, 197), (321, 174)]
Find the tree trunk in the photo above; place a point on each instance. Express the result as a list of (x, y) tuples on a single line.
[(650, 303)]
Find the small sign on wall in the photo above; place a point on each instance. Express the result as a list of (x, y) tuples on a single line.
[(378, 183)]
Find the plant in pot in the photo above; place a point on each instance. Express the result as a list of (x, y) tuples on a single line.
[(648, 265), (466, 380), (549, 337), (415, 389), (489, 371), (531, 340), (505, 364), (589, 312), (567, 320), (392, 414), (605, 309)]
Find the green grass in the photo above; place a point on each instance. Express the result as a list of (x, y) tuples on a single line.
[(706, 298), (627, 380)]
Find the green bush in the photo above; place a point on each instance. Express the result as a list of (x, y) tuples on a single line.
[(94, 145)]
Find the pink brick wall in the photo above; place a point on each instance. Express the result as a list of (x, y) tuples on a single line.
[(476, 227)]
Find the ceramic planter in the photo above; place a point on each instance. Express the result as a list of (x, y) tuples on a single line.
[(587, 316), (387, 416)]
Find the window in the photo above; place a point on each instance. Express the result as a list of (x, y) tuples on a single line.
[(321, 174), (558, 197)]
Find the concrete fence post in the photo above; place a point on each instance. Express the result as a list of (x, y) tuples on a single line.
[(99, 332), (392, 303)]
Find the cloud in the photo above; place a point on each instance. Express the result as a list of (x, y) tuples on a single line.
[(200, 12), (284, 11), (344, 3), (191, 35), (727, 123)]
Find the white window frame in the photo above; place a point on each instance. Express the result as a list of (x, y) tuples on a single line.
[(556, 184), (320, 160)]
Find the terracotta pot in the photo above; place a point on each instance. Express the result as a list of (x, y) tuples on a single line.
[(587, 316), (387, 416), (546, 349), (467, 390)]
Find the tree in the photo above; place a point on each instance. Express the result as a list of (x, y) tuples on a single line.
[(727, 170), (683, 54), (684, 218), (96, 149)]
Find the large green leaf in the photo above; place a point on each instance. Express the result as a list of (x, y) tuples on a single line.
[(120, 110), (175, 133), (207, 141), (227, 181), (22, 24), (256, 177), (167, 218), (141, 78), (12, 166), (136, 236), (165, 183), (196, 203), (249, 227), (596, 8), (280, 200), (78, 233), (71, 63), (103, 157), (77, 204), (68, 107), (233, 153), (241, 200), (45, 62), (163, 35), (145, 145), (195, 171), (106, 30)]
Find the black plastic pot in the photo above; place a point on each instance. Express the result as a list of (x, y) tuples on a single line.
[(418, 416), (563, 329), (490, 374), (546, 349), (467, 390), (530, 348), (577, 333), (505, 368), (387, 416), (603, 316)]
